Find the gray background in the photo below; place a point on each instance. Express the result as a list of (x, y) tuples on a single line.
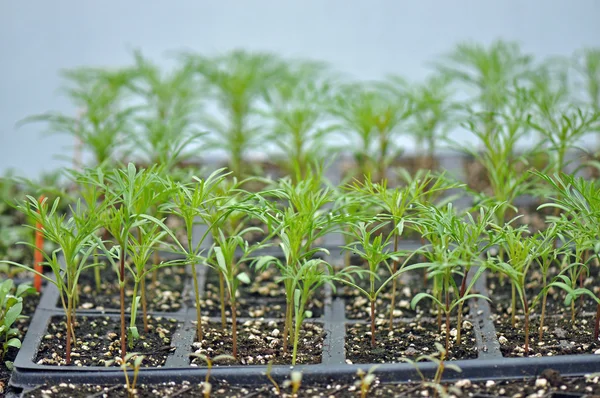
[(366, 39)]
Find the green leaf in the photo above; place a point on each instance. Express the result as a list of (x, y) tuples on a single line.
[(12, 314), (14, 342), (244, 278)]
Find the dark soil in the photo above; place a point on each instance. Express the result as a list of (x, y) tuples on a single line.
[(164, 294), (98, 340), (549, 382), (263, 298), (561, 337), (260, 342), (407, 340)]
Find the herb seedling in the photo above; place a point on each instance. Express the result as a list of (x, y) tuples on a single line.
[(102, 123), (207, 386), (134, 361), (374, 249), (76, 241), (366, 380), (236, 81)]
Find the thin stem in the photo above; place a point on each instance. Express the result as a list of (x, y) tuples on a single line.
[(234, 327), (69, 329), (394, 281), (372, 322), (526, 309), (144, 303), (596, 322), (97, 277), (543, 314), (447, 319), (122, 297), (513, 315), (286, 326), (199, 333), (222, 298)]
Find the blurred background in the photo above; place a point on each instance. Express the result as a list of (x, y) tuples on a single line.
[(363, 39)]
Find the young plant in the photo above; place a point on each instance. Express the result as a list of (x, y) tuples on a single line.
[(520, 251), (76, 241), (298, 222), (227, 262), (236, 81), (372, 114), (366, 380), (433, 115), (166, 133), (587, 64), (439, 359), (489, 72), (11, 306), (398, 205), (128, 194), (296, 106), (207, 386), (457, 243), (373, 248), (134, 361), (188, 204), (103, 118)]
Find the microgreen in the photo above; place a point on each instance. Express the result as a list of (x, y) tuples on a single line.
[(11, 306)]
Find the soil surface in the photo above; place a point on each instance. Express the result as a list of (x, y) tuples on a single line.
[(561, 337), (549, 382), (262, 298), (407, 340), (260, 342), (98, 340), (163, 292)]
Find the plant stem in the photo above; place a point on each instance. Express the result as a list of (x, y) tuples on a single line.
[(97, 272), (513, 315), (299, 317), (447, 319), (372, 322), (394, 281), (287, 325), (597, 322), (69, 330), (199, 333), (463, 288), (222, 298), (144, 303), (234, 326), (122, 297), (526, 310), (543, 314)]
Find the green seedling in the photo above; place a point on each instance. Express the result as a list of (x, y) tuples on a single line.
[(103, 118), (439, 359), (296, 107), (373, 114), (134, 361), (373, 248), (366, 380), (188, 204), (170, 104), (207, 386), (75, 238), (295, 382), (236, 81)]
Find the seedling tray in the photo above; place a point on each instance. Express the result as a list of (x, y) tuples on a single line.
[(489, 364)]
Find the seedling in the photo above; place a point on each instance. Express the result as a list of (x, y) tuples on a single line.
[(587, 64), (295, 382), (134, 361), (207, 386), (374, 249), (236, 81), (373, 114), (75, 238), (104, 118), (366, 380), (433, 114), (299, 222), (296, 106), (439, 359), (167, 114), (188, 204)]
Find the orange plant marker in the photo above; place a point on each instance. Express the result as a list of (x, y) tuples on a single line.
[(38, 257)]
